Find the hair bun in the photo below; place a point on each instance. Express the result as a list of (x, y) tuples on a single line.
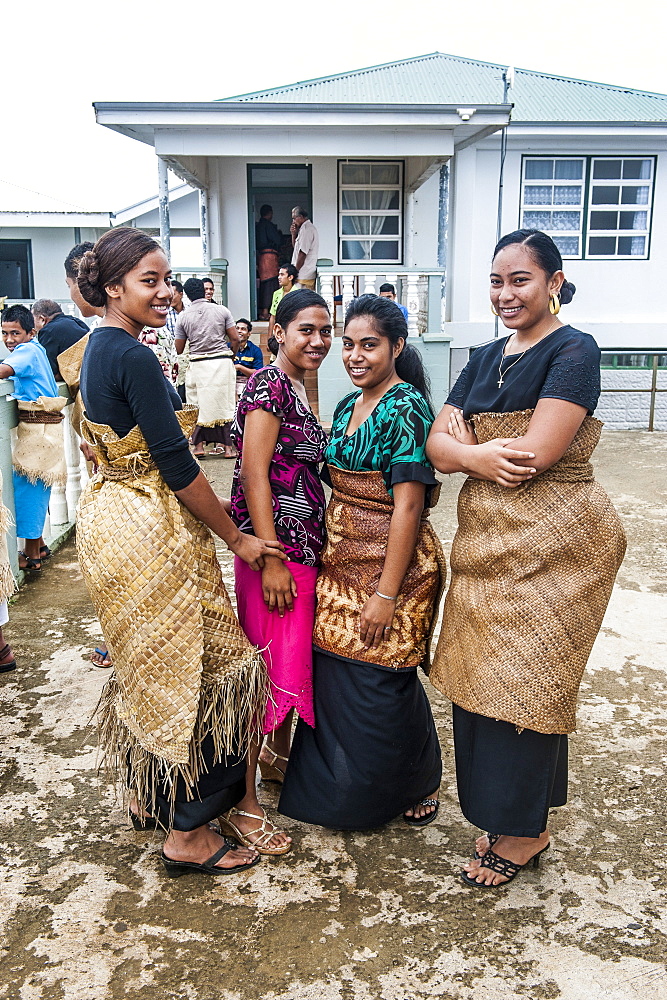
[(88, 279), (566, 294)]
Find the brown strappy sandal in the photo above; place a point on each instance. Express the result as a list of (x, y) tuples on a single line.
[(269, 770)]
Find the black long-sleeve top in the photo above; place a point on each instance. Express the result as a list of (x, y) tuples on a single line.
[(59, 334), (123, 385)]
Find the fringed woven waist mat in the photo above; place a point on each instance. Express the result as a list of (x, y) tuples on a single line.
[(183, 667), (358, 518), (532, 572)]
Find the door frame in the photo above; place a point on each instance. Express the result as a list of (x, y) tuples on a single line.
[(252, 262)]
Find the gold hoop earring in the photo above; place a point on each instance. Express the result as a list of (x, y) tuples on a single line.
[(554, 305), (494, 311)]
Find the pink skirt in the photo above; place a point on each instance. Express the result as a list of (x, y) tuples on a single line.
[(286, 643)]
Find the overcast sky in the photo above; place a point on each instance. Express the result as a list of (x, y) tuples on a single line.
[(56, 59)]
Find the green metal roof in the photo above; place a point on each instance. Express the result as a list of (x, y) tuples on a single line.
[(443, 79)]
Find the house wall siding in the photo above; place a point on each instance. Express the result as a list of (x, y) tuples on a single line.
[(49, 248)]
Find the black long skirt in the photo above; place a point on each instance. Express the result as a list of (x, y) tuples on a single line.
[(220, 786), (507, 781), (373, 753)]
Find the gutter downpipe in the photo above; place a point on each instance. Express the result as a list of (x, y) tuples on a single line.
[(508, 79), (163, 196)]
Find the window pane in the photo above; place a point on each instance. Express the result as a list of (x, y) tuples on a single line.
[(602, 246), (537, 194), (568, 245), (355, 225), (607, 195), (637, 169), (631, 246), (567, 195), (355, 250), (355, 173), (355, 199), (604, 220), (635, 195), (387, 226), (634, 220), (384, 173), (539, 169), (607, 169), (537, 220), (566, 220), (384, 200), (384, 250), (569, 170)]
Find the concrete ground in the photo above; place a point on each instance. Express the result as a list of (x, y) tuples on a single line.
[(87, 911)]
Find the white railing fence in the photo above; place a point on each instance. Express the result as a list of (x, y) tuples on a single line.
[(418, 289)]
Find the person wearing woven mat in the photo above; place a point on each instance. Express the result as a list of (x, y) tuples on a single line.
[(277, 492), (38, 454), (533, 562), (188, 691), (374, 753)]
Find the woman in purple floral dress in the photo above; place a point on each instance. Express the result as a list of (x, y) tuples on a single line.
[(277, 494)]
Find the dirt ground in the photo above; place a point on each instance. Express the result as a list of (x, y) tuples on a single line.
[(87, 912)]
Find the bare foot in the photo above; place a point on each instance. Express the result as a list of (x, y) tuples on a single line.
[(246, 824), (519, 850), (201, 844)]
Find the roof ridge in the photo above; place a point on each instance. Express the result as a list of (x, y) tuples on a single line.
[(618, 87)]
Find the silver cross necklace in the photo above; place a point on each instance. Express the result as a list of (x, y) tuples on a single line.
[(502, 373)]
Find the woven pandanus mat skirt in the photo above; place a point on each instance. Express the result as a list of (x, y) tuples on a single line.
[(184, 672), (358, 518), (532, 572)]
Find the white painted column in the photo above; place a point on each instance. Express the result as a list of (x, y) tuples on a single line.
[(326, 280), (203, 226), (413, 304), (369, 284), (163, 195), (409, 229), (73, 463), (348, 291)]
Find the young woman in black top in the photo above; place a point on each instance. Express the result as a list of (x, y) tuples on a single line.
[(185, 683)]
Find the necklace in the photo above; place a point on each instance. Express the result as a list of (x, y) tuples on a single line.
[(502, 373)]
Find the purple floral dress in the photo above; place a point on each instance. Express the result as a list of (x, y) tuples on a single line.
[(296, 490)]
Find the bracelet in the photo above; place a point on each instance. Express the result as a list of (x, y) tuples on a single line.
[(384, 596)]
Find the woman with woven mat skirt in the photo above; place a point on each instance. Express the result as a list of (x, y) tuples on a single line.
[(188, 691), (374, 751), (277, 493), (533, 562)]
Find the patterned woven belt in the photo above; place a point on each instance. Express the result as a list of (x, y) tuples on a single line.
[(109, 472), (39, 417)]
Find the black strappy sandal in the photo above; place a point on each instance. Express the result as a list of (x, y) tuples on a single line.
[(7, 661), (32, 566), (492, 838), (509, 869), (428, 818)]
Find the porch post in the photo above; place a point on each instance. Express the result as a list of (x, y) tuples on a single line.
[(409, 229), (203, 225), (443, 235), (163, 194)]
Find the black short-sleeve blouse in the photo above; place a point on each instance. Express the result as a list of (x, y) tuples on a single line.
[(565, 365)]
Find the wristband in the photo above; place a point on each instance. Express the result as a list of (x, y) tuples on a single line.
[(385, 597)]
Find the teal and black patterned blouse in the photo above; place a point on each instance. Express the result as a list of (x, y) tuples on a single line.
[(391, 441)]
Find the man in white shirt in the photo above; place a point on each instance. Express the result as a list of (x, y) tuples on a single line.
[(306, 243)]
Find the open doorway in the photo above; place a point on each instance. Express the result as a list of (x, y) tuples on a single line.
[(282, 186)]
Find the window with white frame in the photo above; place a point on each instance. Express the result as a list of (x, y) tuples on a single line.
[(593, 207), (370, 211), (553, 199), (619, 211)]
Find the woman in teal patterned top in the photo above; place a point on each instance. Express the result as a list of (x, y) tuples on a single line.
[(374, 751)]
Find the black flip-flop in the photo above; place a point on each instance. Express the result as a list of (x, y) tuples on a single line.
[(177, 868), (424, 820)]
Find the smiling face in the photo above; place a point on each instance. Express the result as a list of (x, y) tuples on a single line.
[(208, 290), (144, 294), (369, 357), (306, 342), (243, 333), (520, 289), (13, 334)]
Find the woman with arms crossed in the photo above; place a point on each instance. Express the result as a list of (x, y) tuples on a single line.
[(374, 751), (534, 559), (188, 689), (277, 493)]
